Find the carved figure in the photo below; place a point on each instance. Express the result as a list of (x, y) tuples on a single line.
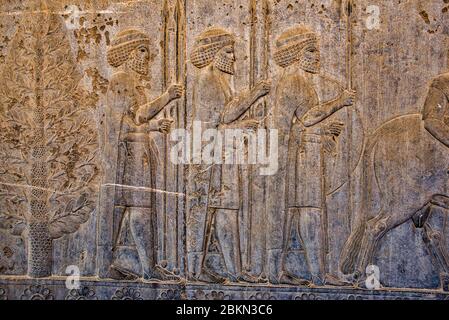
[(131, 156), (215, 192), (300, 115)]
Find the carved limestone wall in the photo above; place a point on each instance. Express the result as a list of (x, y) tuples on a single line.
[(256, 149)]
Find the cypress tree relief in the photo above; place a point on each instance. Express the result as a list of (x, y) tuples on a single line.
[(48, 139)]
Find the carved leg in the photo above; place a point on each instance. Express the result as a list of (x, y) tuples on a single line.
[(433, 238), (310, 229), (228, 236), (142, 232), (287, 231), (375, 229), (207, 275), (351, 250), (117, 269), (285, 276), (143, 229)]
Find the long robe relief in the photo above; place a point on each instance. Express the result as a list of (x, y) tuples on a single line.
[(250, 149)]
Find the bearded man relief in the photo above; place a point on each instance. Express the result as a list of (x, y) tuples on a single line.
[(215, 190), (300, 116), (131, 157)]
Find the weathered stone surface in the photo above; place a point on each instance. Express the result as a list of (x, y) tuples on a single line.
[(250, 149)]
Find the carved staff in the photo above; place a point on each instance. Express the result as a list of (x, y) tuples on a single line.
[(252, 81), (165, 80), (266, 58), (252, 44), (258, 65), (325, 225), (180, 73), (165, 44), (349, 119), (348, 9)]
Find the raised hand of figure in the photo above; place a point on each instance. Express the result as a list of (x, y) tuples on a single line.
[(333, 129), (175, 91), (251, 124), (165, 125), (446, 120), (348, 97), (262, 88)]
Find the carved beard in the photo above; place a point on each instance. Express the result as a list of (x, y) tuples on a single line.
[(224, 64), (309, 65), (137, 64)]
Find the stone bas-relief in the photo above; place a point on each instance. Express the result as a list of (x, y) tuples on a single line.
[(428, 182), (93, 96), (131, 156), (300, 115), (216, 106)]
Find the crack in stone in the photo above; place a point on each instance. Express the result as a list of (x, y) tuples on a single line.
[(107, 185), (144, 189)]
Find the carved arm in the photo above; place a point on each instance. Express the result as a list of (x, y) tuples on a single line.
[(151, 109), (322, 111), (238, 106)]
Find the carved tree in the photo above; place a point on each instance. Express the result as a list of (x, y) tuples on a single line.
[(48, 140)]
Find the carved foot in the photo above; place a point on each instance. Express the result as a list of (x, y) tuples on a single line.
[(159, 273), (333, 281), (210, 277), (364, 282), (262, 279), (244, 277), (287, 278), (118, 273), (357, 279), (444, 282), (317, 281)]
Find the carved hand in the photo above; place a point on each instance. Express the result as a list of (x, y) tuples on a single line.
[(333, 129), (348, 98), (251, 124), (164, 125), (262, 88), (175, 91), (446, 120)]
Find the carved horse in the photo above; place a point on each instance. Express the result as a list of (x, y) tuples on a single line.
[(405, 172)]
